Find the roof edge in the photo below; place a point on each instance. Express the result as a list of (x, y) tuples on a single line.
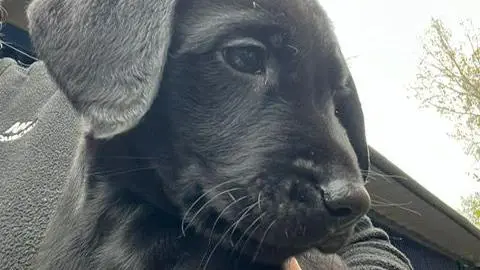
[(413, 186), (416, 237)]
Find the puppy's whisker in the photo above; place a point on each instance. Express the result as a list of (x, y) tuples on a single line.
[(382, 204), (295, 49), (379, 204), (283, 100), (409, 210), (204, 206), (372, 173), (231, 196), (258, 201), (219, 242), (247, 230), (128, 157), (119, 172), (252, 232), (258, 6), (243, 214), (223, 212), (398, 205), (263, 239), (104, 172), (199, 199)]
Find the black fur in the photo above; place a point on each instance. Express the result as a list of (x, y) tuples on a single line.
[(276, 157)]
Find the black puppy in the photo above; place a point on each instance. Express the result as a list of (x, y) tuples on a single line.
[(219, 133)]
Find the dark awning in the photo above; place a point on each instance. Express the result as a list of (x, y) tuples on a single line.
[(414, 211)]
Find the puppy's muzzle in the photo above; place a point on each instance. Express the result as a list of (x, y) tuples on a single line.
[(328, 208)]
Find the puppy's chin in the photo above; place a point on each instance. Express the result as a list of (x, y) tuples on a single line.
[(271, 243), (268, 253)]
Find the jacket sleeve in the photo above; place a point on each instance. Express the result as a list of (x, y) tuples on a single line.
[(35, 157), (370, 248)]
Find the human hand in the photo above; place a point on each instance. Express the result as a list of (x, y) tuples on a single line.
[(291, 264), (315, 260)]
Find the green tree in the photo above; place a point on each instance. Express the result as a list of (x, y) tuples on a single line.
[(471, 208), (448, 80)]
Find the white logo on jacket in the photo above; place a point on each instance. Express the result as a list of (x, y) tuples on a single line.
[(17, 130)]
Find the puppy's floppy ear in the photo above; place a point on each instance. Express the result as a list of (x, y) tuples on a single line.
[(350, 114), (107, 56)]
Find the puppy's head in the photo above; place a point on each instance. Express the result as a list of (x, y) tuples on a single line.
[(253, 100)]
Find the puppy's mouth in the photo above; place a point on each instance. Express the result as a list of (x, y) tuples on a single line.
[(271, 240), (272, 250)]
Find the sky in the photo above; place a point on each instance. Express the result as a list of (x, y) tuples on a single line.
[(383, 39)]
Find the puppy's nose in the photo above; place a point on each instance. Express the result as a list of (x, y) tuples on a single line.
[(346, 201)]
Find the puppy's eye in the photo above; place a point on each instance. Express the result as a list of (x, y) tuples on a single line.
[(247, 58)]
